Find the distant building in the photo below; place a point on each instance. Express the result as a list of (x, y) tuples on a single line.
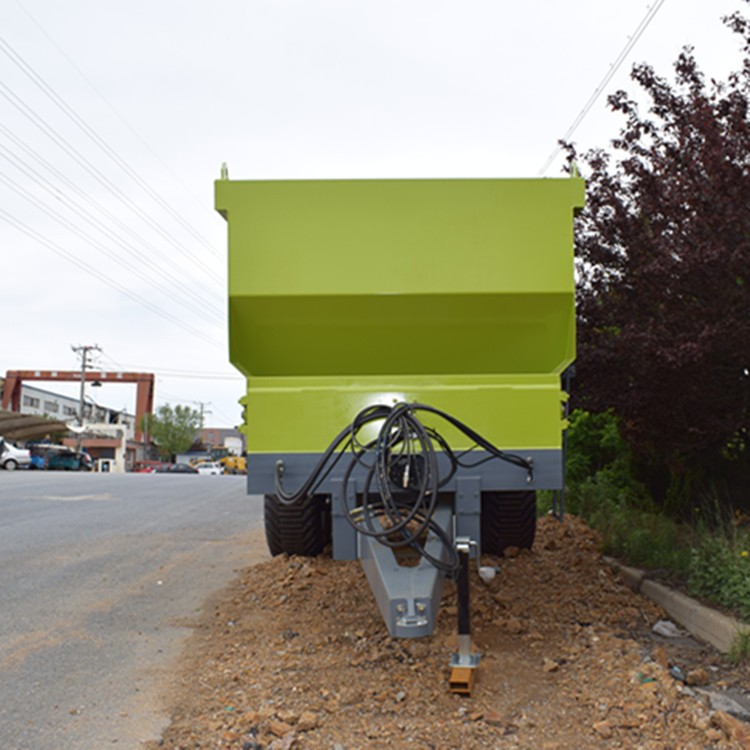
[(108, 435), (221, 437), (65, 408), (212, 441), (44, 403)]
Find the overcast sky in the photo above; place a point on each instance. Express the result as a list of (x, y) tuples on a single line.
[(115, 118)]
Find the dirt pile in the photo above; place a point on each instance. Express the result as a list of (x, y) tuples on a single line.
[(296, 655)]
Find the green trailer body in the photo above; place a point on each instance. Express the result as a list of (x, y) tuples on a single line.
[(458, 294)]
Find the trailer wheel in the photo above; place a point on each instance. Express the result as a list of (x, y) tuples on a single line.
[(508, 520), (303, 528)]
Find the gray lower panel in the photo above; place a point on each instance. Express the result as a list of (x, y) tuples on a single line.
[(493, 474), (408, 597)]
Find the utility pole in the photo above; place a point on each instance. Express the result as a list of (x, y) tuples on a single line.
[(83, 352), (201, 408), (203, 412), (203, 405)]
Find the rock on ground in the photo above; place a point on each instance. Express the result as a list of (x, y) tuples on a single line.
[(295, 655)]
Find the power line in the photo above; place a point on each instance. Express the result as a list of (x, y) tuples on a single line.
[(613, 68), (19, 225), (202, 404), (218, 412), (176, 373), (62, 143), (94, 169), (19, 61), (209, 308), (188, 303), (223, 415), (187, 376), (111, 106), (65, 197)]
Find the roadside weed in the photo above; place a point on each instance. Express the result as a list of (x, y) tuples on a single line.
[(740, 650)]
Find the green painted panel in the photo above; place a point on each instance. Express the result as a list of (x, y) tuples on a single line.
[(408, 334), (399, 236), (515, 414), (417, 282)]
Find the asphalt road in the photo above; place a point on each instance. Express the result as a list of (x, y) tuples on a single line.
[(101, 577)]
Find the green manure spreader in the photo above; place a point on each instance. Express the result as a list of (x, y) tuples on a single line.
[(405, 344)]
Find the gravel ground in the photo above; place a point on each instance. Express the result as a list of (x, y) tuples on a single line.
[(295, 655)]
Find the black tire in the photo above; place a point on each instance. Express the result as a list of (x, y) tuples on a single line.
[(303, 528), (11, 464), (508, 520)]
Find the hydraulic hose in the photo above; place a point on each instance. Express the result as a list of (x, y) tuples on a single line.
[(404, 457)]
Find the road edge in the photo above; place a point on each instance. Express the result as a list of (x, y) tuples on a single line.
[(703, 622)]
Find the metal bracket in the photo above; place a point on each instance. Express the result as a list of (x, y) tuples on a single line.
[(343, 535), (463, 663), (408, 597)]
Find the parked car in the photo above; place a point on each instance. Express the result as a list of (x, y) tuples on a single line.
[(39, 453), (176, 469), (147, 467), (210, 467), (38, 462), (69, 460), (12, 457)]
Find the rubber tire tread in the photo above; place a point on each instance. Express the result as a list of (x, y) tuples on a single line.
[(300, 529), (508, 520)]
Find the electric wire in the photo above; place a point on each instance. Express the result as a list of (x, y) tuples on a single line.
[(187, 303), (182, 376), (613, 68), (152, 258), (176, 373), (39, 81), (160, 391), (41, 124), (62, 252), (228, 420), (114, 109)]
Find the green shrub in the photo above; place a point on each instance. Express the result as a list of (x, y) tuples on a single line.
[(602, 489), (740, 649), (641, 537), (720, 570), (705, 549), (594, 443)]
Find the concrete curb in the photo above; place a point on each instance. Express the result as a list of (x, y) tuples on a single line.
[(703, 622)]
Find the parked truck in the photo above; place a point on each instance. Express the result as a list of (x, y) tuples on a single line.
[(403, 343)]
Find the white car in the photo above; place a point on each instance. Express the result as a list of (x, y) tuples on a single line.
[(207, 467), (12, 457)]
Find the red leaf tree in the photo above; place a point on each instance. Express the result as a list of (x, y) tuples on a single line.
[(664, 269)]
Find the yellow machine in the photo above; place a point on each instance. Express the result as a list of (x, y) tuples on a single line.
[(234, 464)]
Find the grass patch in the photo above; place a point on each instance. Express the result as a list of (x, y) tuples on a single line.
[(710, 555), (636, 534), (720, 569), (740, 650)]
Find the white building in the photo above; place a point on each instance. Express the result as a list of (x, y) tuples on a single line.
[(65, 408)]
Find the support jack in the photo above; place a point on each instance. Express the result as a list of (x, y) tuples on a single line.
[(463, 663)]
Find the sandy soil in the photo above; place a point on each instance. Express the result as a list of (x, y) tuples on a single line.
[(295, 655)]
